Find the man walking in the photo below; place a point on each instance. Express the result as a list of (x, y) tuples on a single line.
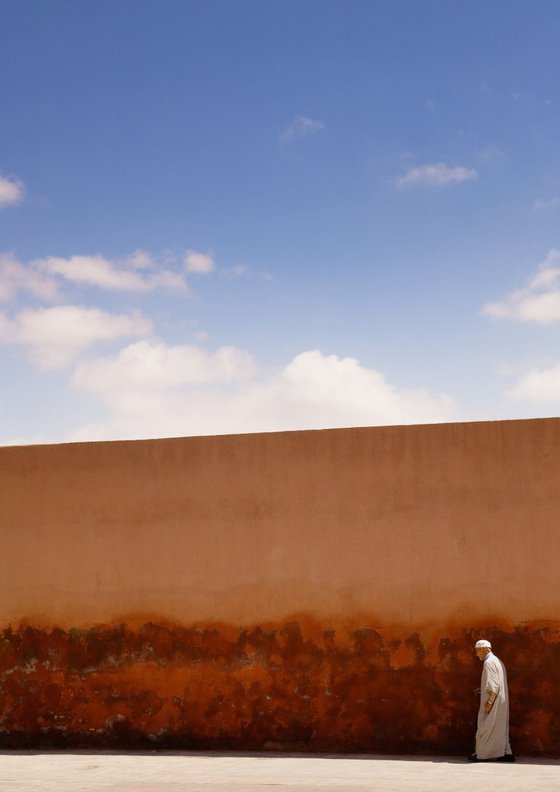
[(492, 734)]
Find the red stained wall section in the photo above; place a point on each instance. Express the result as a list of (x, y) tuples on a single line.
[(280, 688), (297, 591)]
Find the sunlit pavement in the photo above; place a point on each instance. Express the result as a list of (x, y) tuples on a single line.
[(219, 772)]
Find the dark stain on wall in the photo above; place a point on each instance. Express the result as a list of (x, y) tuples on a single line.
[(291, 687)]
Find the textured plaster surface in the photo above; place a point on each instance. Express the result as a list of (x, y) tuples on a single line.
[(293, 591), (411, 524), (283, 688)]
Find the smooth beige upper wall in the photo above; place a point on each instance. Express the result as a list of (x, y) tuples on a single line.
[(409, 525)]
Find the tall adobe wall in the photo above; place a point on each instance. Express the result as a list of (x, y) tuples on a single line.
[(316, 590)]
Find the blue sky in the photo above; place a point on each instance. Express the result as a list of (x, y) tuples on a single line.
[(250, 216)]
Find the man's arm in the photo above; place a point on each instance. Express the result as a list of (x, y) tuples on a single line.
[(489, 703), (492, 685)]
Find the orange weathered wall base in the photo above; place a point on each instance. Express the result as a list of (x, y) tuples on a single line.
[(291, 591)]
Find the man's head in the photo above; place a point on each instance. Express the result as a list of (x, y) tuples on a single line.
[(482, 648)]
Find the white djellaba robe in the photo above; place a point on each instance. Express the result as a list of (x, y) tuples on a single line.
[(492, 734)]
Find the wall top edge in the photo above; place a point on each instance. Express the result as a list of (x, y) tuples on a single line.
[(553, 420)]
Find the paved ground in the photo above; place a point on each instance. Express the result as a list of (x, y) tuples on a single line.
[(226, 772)]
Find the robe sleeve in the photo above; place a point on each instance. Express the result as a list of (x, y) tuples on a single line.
[(492, 679)]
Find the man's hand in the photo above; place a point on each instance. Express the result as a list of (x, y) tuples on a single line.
[(488, 705)]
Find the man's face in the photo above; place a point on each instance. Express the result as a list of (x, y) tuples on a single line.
[(481, 652)]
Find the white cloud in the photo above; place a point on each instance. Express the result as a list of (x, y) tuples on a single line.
[(200, 263), (54, 337), (301, 127), (155, 366), (12, 191), (491, 154), (136, 273), (243, 271), (6, 330), (538, 387), (438, 174), (140, 259), (168, 280), (17, 277), (238, 271), (94, 271), (154, 390), (538, 302), (547, 203), (41, 278)]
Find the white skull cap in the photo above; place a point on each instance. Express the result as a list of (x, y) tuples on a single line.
[(483, 644)]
